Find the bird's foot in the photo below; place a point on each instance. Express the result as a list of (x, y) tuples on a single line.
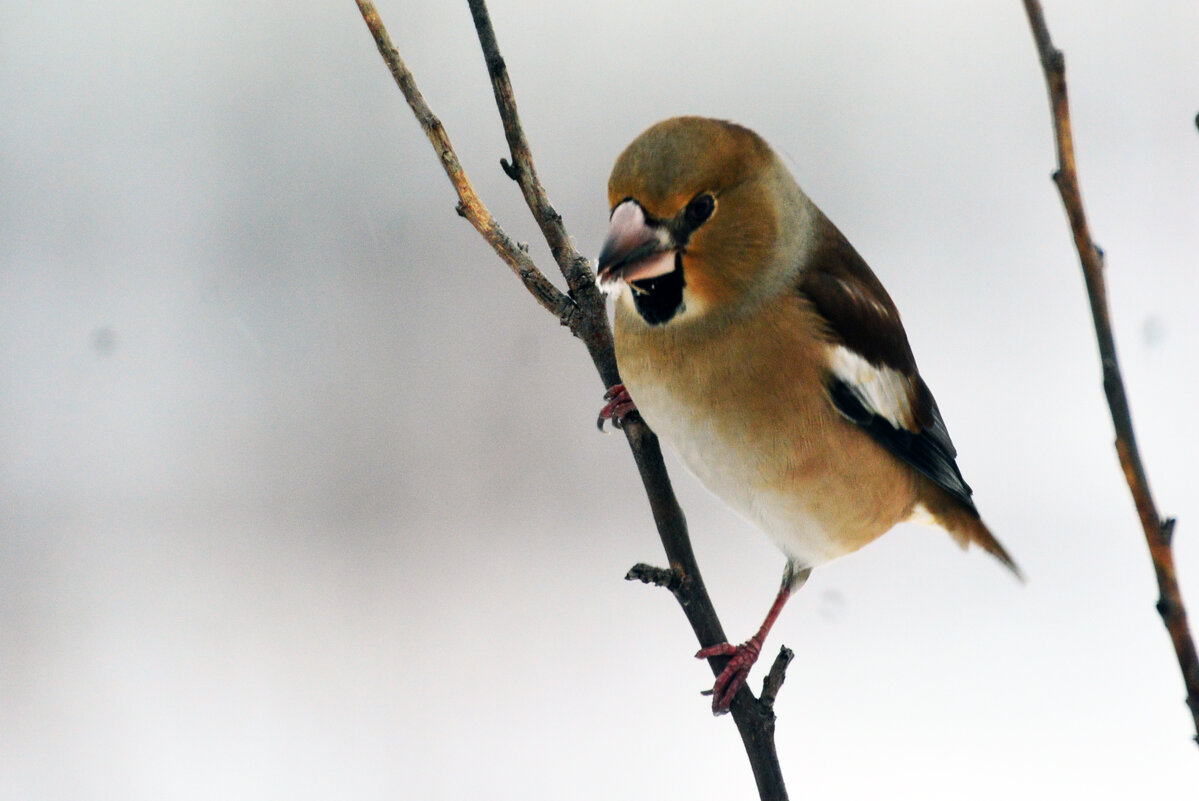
[(741, 659), (617, 406)]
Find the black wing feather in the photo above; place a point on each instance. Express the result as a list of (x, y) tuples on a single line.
[(929, 451), (860, 316)]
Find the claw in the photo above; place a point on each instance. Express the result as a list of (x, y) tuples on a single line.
[(618, 406), (724, 649), (741, 659)]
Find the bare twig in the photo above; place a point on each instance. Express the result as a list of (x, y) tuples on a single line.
[(1158, 532), (583, 311), (574, 267), (774, 679), (755, 722), (658, 576), (470, 205), (592, 327)]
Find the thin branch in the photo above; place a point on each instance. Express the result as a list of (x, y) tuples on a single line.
[(774, 678), (593, 326), (658, 576), (587, 319), (470, 205), (755, 722), (1158, 532), (522, 170)]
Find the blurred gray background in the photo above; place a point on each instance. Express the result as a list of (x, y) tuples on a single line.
[(301, 495)]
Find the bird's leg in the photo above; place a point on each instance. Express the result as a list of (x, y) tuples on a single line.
[(743, 656), (618, 405)]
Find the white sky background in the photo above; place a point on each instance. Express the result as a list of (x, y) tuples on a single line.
[(300, 493)]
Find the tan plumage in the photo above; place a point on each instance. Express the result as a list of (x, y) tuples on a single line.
[(744, 405), (755, 340)]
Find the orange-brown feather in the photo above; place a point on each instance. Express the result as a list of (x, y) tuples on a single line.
[(964, 525)]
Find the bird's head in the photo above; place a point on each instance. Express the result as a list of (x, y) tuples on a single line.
[(696, 210)]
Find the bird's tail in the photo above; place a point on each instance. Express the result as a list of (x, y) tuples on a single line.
[(965, 526)]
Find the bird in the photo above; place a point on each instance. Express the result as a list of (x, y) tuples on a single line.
[(753, 338)]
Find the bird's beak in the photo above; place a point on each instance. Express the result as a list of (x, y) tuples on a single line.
[(634, 249)]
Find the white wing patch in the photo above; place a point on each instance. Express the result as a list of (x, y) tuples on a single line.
[(883, 391)]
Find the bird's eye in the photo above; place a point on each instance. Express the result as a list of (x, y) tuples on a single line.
[(700, 209)]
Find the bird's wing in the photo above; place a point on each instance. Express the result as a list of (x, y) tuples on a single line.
[(873, 380)]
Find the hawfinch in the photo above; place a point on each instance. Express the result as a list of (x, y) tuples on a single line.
[(753, 338)]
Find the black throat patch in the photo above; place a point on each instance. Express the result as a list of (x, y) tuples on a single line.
[(659, 299)]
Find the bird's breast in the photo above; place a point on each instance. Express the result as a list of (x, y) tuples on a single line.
[(744, 406)]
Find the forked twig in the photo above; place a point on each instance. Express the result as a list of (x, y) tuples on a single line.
[(1158, 532), (470, 205), (522, 170), (583, 312)]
